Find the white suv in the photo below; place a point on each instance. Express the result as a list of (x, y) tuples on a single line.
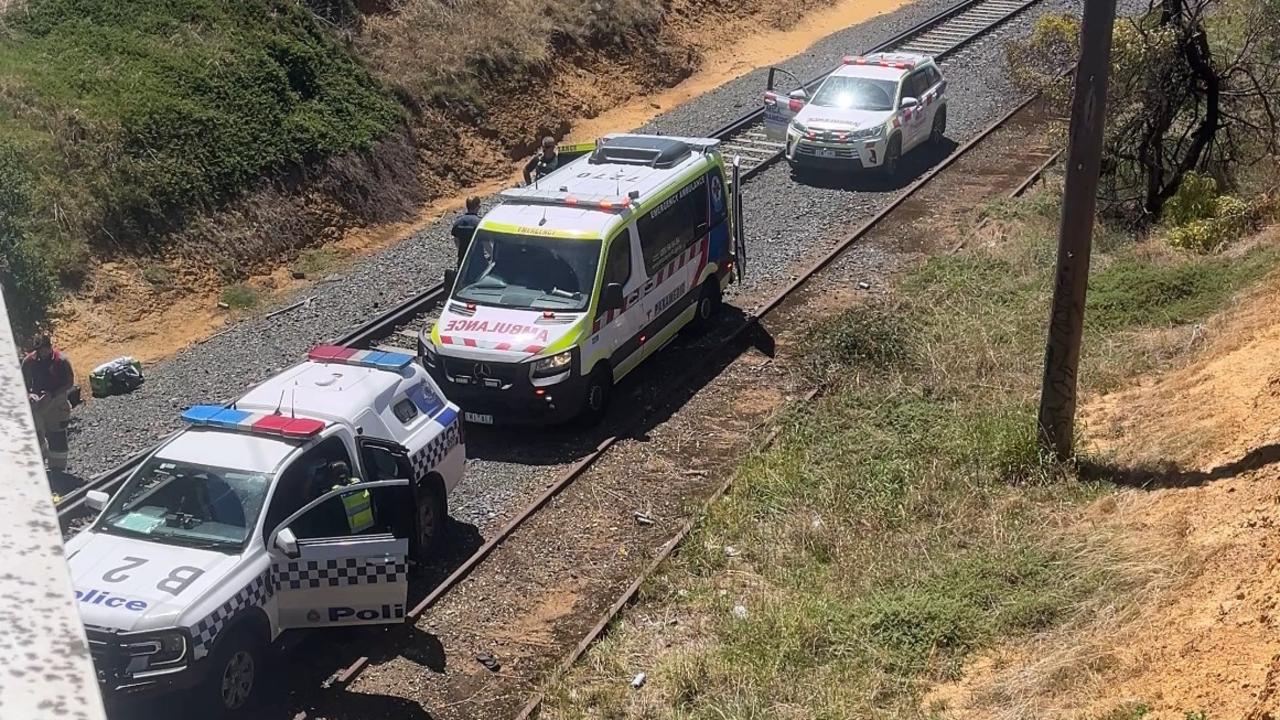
[(866, 113)]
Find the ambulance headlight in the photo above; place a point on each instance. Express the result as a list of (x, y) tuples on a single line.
[(161, 649), (553, 365)]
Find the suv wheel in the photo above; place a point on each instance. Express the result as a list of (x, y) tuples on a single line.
[(892, 156), (939, 130)]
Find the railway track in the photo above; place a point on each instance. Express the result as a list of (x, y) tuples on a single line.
[(732, 343), (940, 35)]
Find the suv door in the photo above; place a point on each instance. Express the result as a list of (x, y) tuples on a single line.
[(335, 577), (784, 97), (915, 120)]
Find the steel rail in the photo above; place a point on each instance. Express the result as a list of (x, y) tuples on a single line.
[(740, 333), (628, 595)]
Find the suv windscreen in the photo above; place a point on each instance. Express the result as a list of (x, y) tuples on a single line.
[(179, 503), (855, 93), (528, 272)]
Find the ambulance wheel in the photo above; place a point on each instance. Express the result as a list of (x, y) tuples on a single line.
[(708, 306), (892, 155), (939, 130), (595, 401), (430, 520), (235, 668)]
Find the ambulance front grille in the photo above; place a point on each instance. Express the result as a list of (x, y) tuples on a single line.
[(482, 373)]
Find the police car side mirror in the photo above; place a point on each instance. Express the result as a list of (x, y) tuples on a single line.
[(450, 277), (96, 500), (286, 542), (908, 102), (611, 298), (798, 94)]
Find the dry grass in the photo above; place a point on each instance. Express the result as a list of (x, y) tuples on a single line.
[(905, 523)]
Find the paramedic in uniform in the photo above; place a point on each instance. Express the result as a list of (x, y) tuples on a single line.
[(49, 378), (543, 163)]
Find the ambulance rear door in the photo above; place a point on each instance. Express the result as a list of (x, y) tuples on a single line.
[(783, 98), (324, 574)]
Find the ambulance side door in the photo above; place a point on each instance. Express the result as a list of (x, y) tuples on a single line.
[(324, 573), (614, 330), (672, 240)]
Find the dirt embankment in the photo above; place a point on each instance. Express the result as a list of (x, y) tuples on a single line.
[(468, 137), (1199, 445)]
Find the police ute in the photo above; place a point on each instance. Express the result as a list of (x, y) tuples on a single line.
[(570, 283), (865, 114), (300, 505)]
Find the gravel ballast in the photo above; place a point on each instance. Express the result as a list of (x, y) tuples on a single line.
[(788, 223)]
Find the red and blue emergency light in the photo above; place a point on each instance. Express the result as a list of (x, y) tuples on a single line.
[(375, 359), (217, 416)]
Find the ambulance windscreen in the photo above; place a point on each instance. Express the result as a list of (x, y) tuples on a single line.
[(528, 272), (187, 504)]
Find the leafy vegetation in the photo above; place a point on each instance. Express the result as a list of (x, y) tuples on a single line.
[(130, 115), (907, 518), (1190, 91)]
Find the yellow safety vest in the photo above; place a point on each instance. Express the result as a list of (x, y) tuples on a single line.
[(359, 509)]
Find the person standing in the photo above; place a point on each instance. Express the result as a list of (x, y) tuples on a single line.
[(49, 378), (546, 161), (464, 228)]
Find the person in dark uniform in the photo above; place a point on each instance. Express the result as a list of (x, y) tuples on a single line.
[(543, 163), (465, 227), (49, 378)]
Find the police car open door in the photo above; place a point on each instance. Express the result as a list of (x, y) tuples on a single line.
[(334, 563), (784, 98)]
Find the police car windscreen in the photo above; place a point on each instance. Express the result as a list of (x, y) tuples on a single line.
[(186, 504), (855, 93), (528, 272)]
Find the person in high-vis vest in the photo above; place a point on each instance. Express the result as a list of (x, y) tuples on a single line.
[(357, 505), (49, 378)]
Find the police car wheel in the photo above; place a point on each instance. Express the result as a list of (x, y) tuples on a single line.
[(939, 126), (430, 519), (234, 678)]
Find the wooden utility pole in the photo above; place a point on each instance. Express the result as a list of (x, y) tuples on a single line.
[(1079, 201)]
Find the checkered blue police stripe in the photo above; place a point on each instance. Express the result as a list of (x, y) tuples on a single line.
[(254, 594), (434, 452), (300, 574)]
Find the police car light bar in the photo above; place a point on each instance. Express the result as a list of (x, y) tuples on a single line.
[(217, 416), (376, 359)]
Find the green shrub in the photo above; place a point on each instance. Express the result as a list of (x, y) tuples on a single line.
[(1202, 220), (240, 297), (1131, 293), (155, 108)]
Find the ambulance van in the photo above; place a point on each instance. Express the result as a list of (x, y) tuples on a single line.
[(570, 283)]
